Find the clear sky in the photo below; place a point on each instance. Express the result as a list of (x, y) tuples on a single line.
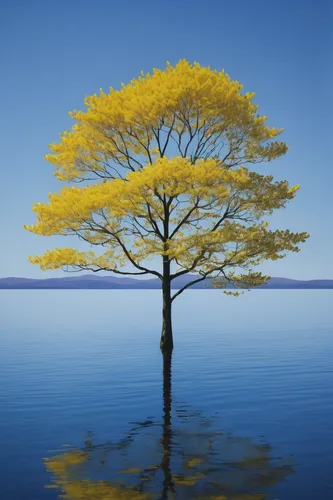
[(53, 54)]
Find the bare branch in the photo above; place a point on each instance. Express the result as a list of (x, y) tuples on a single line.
[(191, 283), (113, 270)]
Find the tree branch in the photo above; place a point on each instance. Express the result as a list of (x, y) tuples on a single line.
[(191, 283), (116, 271)]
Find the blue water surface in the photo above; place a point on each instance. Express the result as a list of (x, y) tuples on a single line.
[(74, 361)]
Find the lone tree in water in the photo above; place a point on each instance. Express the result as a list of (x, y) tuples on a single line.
[(168, 152)]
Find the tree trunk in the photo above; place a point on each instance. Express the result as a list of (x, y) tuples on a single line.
[(166, 343)]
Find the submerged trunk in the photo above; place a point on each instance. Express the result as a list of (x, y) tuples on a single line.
[(166, 343)]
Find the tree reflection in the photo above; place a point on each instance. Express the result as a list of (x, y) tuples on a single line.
[(189, 459)]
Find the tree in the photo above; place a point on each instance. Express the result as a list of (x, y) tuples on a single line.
[(165, 157), (184, 456)]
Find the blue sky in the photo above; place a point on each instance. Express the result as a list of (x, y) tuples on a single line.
[(53, 54)]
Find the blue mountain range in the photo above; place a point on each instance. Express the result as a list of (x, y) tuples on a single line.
[(93, 281)]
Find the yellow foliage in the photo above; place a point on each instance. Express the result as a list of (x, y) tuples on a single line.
[(187, 101), (169, 151), (218, 199)]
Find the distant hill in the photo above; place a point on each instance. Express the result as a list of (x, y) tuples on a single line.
[(93, 281)]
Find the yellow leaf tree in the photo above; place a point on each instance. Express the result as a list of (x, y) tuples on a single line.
[(163, 166)]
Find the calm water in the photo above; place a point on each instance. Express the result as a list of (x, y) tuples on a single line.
[(78, 362)]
